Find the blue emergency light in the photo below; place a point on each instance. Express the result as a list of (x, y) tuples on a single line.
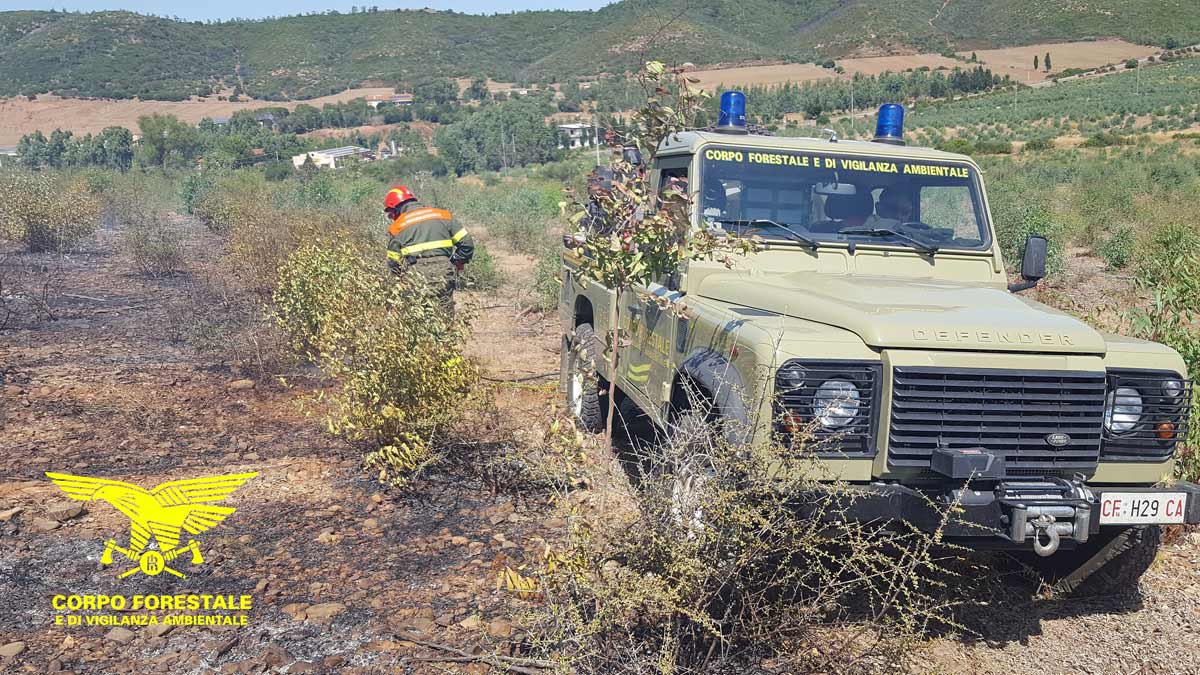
[(890, 127), (732, 116)]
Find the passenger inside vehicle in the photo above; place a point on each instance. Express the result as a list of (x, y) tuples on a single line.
[(845, 211), (893, 208)]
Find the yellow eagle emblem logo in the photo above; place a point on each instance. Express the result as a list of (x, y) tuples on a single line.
[(163, 513)]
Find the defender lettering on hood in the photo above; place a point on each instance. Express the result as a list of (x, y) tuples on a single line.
[(992, 337)]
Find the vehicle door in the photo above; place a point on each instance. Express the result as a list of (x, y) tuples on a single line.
[(648, 317)]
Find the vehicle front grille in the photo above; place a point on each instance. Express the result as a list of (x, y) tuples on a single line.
[(1008, 412)]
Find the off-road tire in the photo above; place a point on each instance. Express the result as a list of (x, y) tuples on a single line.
[(586, 351), (1081, 573), (689, 441)]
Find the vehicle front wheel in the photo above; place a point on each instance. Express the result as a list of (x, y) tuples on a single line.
[(687, 459), (583, 381), (1110, 563)]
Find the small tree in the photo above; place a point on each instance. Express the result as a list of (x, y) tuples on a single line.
[(1035, 61), (649, 236), (1047, 62)]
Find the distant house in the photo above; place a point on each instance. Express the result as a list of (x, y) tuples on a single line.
[(220, 121), (575, 135), (335, 158), (395, 99), (265, 119), (8, 155)]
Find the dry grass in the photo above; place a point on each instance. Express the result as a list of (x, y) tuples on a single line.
[(1012, 61), (1017, 62), (19, 116)]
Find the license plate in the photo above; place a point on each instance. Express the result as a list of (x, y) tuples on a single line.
[(1142, 508)]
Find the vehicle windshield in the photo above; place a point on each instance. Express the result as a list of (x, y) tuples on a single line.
[(926, 205)]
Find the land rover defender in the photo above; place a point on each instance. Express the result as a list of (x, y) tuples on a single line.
[(879, 306)]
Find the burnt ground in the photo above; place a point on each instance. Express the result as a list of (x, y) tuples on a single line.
[(341, 571)]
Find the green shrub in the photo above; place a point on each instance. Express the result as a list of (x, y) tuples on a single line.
[(46, 212), (1117, 250), (1168, 270), (482, 272), (195, 187), (547, 279), (277, 171), (396, 355), (1017, 213), (228, 198), (1038, 145), (993, 147), (958, 145), (154, 243), (1105, 139)]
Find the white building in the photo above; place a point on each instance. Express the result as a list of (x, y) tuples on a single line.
[(395, 99), (575, 135), (332, 159)]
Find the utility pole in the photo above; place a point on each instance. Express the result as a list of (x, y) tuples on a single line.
[(853, 124)]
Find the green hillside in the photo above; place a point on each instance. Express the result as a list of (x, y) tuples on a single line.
[(120, 54)]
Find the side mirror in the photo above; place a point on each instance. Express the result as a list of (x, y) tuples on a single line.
[(1033, 262)]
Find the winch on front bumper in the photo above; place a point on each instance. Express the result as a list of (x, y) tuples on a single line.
[(1042, 514)]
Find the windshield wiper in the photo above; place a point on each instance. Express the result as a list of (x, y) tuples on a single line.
[(807, 242), (924, 247)]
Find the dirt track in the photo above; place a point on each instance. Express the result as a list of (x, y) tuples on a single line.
[(339, 570)]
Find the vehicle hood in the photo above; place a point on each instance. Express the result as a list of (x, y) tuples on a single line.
[(911, 313)]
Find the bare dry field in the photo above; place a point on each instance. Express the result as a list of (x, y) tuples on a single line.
[(1017, 62), (874, 65), (20, 116), (762, 75)]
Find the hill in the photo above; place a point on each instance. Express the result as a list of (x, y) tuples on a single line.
[(123, 55)]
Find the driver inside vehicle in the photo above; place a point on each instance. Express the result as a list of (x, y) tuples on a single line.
[(893, 208)]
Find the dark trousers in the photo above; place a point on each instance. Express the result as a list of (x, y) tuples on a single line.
[(439, 275)]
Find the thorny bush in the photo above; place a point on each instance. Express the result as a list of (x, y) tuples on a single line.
[(723, 569), (395, 353)]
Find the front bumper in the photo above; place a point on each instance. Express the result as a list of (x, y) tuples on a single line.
[(1041, 514)]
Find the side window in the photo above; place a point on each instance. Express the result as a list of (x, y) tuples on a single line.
[(675, 177), (950, 207)]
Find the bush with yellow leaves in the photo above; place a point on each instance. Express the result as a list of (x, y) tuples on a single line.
[(46, 212), (396, 355)]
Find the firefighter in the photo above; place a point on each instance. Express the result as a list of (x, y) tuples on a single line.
[(600, 185), (426, 241)]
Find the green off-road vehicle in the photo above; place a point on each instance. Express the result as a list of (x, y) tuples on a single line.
[(879, 307)]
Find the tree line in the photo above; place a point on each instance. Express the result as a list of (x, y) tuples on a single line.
[(814, 99)]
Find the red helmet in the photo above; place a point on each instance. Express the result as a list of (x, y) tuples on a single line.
[(397, 196)]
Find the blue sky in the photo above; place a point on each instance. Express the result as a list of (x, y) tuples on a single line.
[(227, 9)]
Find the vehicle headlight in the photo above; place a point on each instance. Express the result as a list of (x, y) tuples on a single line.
[(836, 403), (790, 378), (1172, 389), (1123, 409)]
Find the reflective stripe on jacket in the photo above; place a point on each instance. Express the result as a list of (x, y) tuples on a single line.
[(426, 232)]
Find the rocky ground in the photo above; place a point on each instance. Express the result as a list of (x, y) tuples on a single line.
[(345, 576)]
